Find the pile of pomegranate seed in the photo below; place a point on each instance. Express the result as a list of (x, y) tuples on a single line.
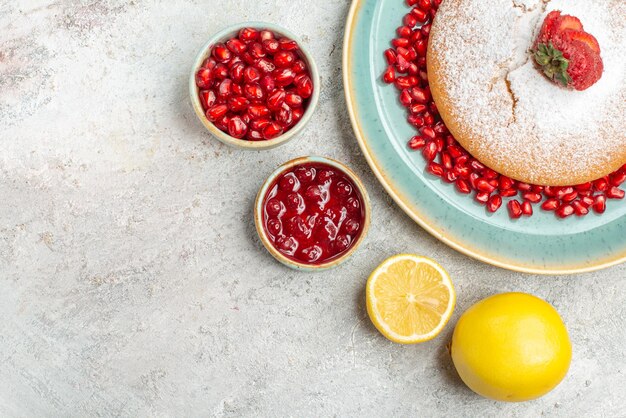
[(254, 86), (446, 158)]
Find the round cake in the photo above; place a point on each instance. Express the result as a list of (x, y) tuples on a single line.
[(506, 112)]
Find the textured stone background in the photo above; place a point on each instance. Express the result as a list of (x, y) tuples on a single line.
[(131, 279)]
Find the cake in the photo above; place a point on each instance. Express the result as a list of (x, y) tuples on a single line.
[(505, 111)]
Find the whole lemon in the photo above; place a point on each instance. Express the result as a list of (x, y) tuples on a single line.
[(511, 347)]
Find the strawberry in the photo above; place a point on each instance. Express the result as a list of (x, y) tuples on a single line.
[(567, 22), (548, 28), (579, 35), (566, 53)]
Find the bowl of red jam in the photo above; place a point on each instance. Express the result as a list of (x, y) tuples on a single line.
[(312, 213), (254, 86)]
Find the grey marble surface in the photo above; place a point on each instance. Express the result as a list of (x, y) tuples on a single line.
[(131, 279)]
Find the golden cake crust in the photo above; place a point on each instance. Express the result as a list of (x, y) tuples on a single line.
[(505, 113)]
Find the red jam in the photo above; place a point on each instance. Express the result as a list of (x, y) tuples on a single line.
[(254, 86), (313, 213)]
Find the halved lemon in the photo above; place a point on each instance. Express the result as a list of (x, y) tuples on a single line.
[(410, 298)]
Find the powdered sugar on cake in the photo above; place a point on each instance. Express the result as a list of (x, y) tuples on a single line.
[(511, 112)]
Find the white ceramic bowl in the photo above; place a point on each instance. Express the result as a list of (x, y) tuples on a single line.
[(223, 36)]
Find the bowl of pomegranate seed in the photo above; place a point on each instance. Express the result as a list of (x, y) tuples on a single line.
[(312, 213), (254, 86)]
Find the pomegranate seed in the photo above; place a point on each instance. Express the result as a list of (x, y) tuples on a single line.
[(411, 3), (409, 20), (236, 46), (583, 187), (284, 59), (204, 78), (400, 42), (207, 98), (402, 65), (490, 174), (450, 176), (271, 46), (569, 197), (420, 15), (505, 183), (425, 30), (579, 208), (482, 197), (216, 112), (417, 108), (256, 50), (283, 76), (550, 191), (562, 191), (524, 187), (209, 63), (515, 209), (236, 89), (564, 211), (403, 32), (222, 124), (293, 100), (477, 165), (284, 116), (248, 35), (463, 186), (265, 65), (615, 193), (461, 171), (236, 72), (494, 203), (225, 88), (425, 5), (421, 46), (405, 82), (237, 104), (259, 124), (221, 53), (417, 142), (266, 35), (267, 84), (297, 115), (248, 58), (389, 76), (527, 208), (257, 111), (251, 75), (299, 67), (272, 130), (435, 169), (586, 200), (550, 204), (254, 136), (304, 86), (508, 192), (391, 56), (237, 128), (601, 185), (472, 179), (484, 186), (416, 120), (288, 45), (419, 95), (532, 197), (405, 98), (430, 151), (428, 132), (254, 92), (446, 160), (616, 179), (599, 204), (276, 99)]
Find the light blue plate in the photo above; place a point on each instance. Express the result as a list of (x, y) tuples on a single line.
[(540, 244)]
